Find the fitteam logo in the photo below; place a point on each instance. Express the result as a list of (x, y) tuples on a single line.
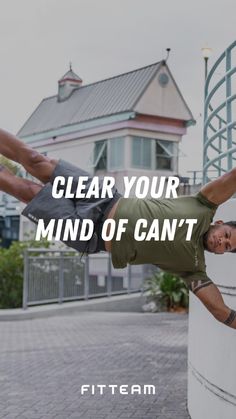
[(101, 389)]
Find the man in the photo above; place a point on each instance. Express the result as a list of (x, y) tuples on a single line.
[(180, 256)]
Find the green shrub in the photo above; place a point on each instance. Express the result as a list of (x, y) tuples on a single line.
[(12, 272), (168, 289)]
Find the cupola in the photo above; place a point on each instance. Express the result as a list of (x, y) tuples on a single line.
[(67, 84)]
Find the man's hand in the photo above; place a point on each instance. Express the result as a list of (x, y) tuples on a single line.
[(220, 190), (211, 297)]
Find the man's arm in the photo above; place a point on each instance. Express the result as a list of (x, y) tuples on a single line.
[(221, 189), (211, 297)]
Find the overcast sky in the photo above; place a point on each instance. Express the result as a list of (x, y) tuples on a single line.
[(102, 38)]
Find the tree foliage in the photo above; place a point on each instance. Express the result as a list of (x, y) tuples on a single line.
[(12, 272), (13, 167)]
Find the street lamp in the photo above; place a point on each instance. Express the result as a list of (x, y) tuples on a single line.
[(206, 52)]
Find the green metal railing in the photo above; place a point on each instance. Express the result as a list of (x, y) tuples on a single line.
[(219, 150)]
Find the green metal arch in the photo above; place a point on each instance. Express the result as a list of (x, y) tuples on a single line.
[(220, 137)]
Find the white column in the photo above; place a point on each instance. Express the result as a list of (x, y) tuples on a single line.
[(212, 345)]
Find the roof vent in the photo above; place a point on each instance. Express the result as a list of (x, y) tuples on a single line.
[(163, 79)]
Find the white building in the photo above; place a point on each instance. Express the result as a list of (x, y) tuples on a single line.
[(130, 124)]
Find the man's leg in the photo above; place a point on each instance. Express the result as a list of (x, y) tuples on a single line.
[(22, 189), (39, 166)]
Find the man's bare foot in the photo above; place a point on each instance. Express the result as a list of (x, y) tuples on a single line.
[(22, 189)]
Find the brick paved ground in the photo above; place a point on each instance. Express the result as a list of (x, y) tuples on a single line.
[(44, 362)]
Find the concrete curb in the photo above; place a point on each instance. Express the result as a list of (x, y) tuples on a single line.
[(118, 303)]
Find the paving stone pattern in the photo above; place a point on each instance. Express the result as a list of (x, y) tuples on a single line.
[(44, 362)]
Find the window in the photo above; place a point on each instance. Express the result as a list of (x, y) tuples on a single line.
[(164, 155), (141, 152), (108, 154), (9, 229), (116, 153), (100, 155)]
